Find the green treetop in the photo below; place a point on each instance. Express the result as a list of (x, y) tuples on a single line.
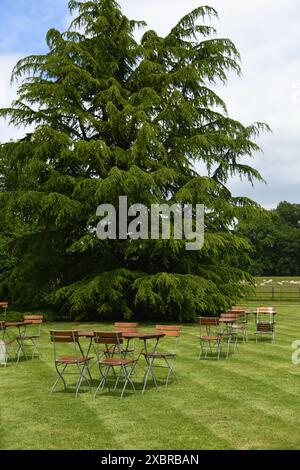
[(113, 116)]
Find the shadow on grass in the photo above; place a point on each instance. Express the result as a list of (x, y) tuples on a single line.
[(108, 389)]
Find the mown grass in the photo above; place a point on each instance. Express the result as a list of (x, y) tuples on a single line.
[(250, 401)]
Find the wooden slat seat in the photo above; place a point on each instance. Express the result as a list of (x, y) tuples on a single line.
[(159, 354), (211, 337), (73, 359), (112, 361)]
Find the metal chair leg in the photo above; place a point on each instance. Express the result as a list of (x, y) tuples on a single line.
[(149, 369), (60, 377), (171, 371), (21, 349), (103, 380), (201, 349), (219, 348), (127, 379), (82, 377)]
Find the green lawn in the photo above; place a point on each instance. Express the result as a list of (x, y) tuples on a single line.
[(250, 401)]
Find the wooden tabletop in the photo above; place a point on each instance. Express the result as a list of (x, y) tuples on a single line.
[(264, 313), (144, 336), (227, 320), (17, 323), (153, 335)]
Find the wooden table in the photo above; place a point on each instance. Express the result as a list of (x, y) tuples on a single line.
[(20, 340), (143, 336), (264, 313), (17, 324), (149, 357)]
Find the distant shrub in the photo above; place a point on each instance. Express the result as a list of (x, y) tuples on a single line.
[(14, 316)]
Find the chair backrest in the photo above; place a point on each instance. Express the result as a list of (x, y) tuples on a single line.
[(230, 315), (34, 319), (126, 327), (266, 310), (36, 322), (238, 315), (208, 321), (169, 330), (108, 337), (64, 336), (211, 325), (261, 313)]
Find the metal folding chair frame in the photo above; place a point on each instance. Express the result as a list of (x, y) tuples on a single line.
[(233, 328), (20, 341), (110, 363), (241, 324), (82, 366), (169, 331), (36, 321), (232, 337), (264, 327), (205, 341), (127, 327)]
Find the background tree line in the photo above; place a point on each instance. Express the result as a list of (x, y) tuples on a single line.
[(275, 239)]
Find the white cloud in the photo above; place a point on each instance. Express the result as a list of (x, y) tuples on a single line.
[(7, 95), (7, 92), (267, 34)]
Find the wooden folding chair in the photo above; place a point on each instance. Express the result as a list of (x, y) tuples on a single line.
[(229, 332), (241, 324), (169, 357), (76, 359), (210, 336), (32, 337), (265, 322), (127, 327), (124, 366)]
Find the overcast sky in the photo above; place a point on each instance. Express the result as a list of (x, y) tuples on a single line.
[(267, 34)]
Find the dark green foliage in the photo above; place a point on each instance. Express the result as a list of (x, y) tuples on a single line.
[(116, 117), (275, 238)]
